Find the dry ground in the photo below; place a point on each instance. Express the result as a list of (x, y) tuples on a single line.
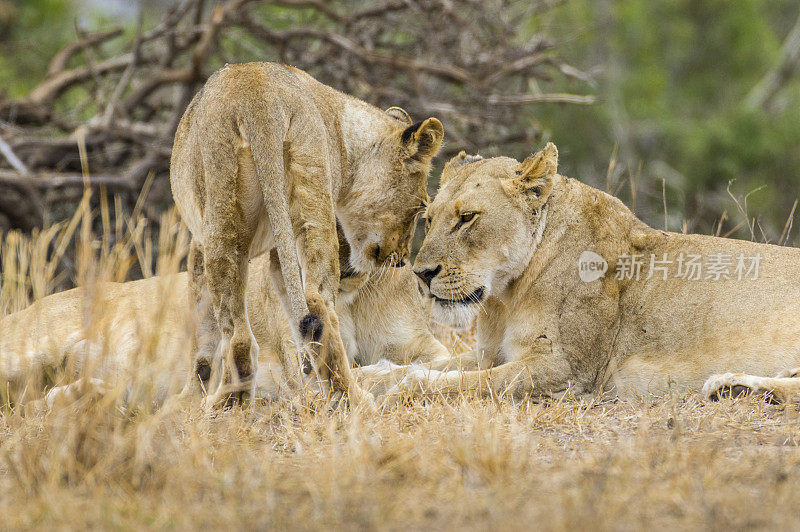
[(445, 464), (462, 463)]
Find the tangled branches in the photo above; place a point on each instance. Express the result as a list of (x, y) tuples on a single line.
[(469, 62)]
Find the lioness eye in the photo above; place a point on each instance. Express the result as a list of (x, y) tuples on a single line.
[(465, 218)]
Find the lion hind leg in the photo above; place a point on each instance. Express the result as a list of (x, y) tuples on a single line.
[(226, 278), (206, 340), (333, 364), (311, 309), (226, 239)]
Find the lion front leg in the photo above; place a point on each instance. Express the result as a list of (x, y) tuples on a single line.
[(332, 364), (538, 372), (330, 358), (471, 360), (775, 390), (512, 380), (312, 311), (382, 377), (314, 224), (321, 353)]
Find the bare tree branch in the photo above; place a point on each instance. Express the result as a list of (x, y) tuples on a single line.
[(280, 37), (326, 9), (59, 61), (479, 73), (523, 99), (11, 157)]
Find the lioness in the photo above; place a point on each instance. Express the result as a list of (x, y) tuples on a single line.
[(267, 157), (137, 335), (549, 266)]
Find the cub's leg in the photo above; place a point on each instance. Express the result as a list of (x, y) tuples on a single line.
[(309, 224), (206, 340), (226, 277), (227, 236), (775, 390)]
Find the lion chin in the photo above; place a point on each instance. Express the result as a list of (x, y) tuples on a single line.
[(457, 315)]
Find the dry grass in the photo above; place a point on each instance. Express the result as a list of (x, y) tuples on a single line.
[(457, 463), (461, 463)]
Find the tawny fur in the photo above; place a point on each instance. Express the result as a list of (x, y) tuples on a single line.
[(136, 336), (543, 331), (266, 157)]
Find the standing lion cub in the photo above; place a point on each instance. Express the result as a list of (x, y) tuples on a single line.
[(266, 157)]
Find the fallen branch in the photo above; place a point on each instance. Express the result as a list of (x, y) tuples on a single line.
[(431, 58), (523, 99), (12, 158), (48, 181)]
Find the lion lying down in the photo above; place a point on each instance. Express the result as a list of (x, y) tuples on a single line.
[(138, 336), (573, 293)]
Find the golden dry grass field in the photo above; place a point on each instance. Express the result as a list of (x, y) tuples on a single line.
[(456, 463)]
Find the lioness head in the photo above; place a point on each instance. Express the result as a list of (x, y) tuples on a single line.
[(483, 228), (389, 191)]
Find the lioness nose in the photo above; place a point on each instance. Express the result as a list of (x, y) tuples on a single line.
[(428, 275)]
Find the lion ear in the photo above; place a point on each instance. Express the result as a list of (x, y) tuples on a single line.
[(399, 114), (534, 176), (462, 159), (422, 140)]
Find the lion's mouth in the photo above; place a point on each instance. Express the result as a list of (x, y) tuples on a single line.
[(474, 297)]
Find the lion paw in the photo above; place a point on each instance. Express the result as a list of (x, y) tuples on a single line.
[(725, 385), (416, 381), (227, 397), (87, 387), (734, 385)]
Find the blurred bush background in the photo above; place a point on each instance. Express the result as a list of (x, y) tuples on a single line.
[(689, 111)]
